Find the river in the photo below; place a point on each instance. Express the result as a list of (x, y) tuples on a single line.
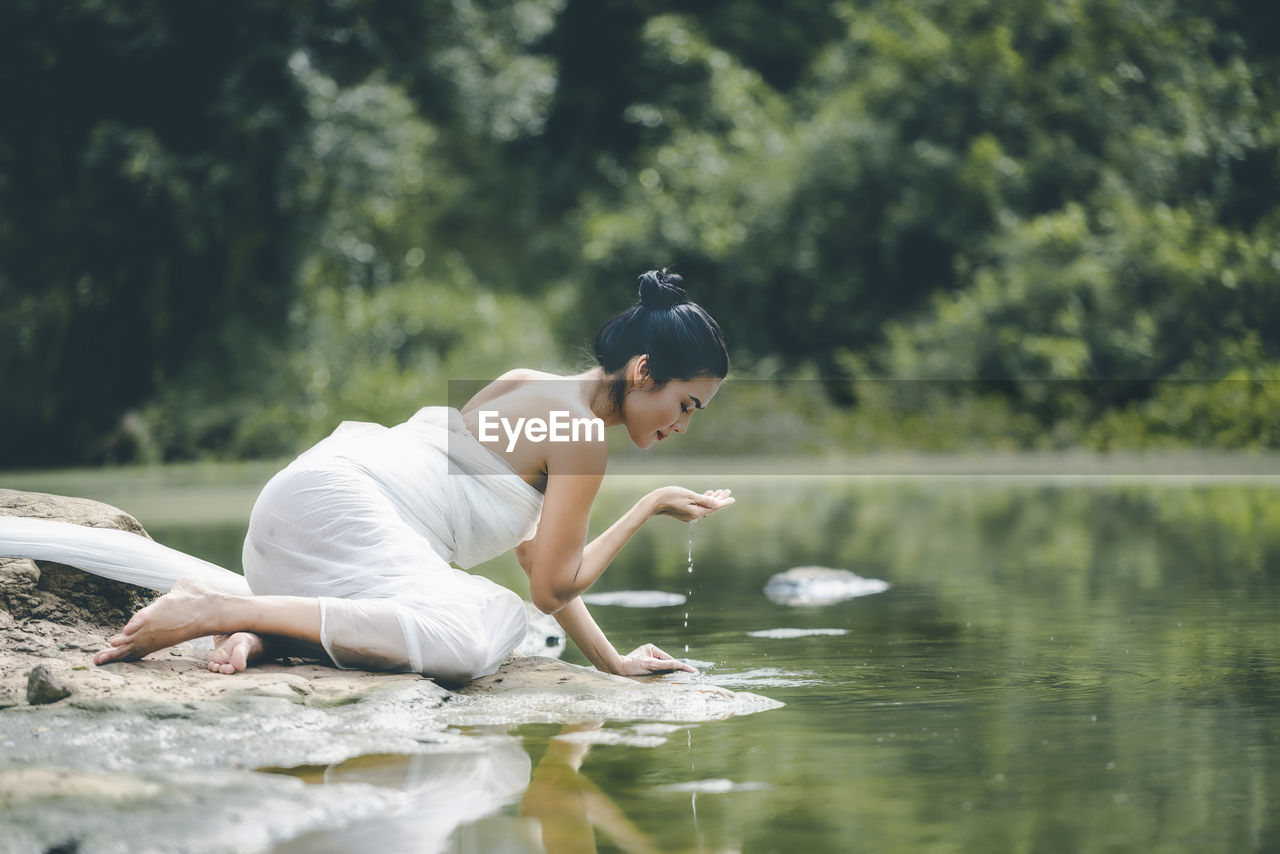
[(1058, 665)]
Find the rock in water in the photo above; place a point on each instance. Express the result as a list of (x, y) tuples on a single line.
[(544, 637), (635, 599), (786, 634), (819, 585), (42, 688)]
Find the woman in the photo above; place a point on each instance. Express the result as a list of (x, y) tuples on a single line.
[(349, 547)]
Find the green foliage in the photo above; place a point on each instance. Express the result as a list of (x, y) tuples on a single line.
[(204, 208), (169, 174), (1059, 200), (1240, 410), (367, 356), (383, 318), (133, 226), (1068, 162)]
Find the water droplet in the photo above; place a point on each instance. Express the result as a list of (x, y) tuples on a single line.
[(690, 593)]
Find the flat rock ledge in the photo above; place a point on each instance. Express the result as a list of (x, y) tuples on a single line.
[(54, 617), (179, 749)]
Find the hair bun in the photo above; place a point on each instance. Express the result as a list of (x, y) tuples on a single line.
[(661, 290)]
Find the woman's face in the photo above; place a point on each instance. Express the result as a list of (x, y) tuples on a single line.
[(653, 413)]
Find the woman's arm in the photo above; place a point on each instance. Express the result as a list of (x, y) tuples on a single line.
[(563, 564), (574, 617), (557, 568), (581, 627), (577, 621), (587, 636)]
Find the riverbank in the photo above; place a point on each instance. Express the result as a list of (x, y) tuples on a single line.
[(53, 618), (178, 748)]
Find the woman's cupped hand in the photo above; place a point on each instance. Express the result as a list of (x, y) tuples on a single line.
[(687, 505)]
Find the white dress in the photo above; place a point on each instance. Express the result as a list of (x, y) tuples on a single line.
[(368, 522)]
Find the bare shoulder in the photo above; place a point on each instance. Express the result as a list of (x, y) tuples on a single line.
[(527, 375), (516, 381), (535, 394)]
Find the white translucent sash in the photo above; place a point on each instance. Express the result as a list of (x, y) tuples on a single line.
[(110, 553)]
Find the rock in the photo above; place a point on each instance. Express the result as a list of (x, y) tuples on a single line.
[(819, 585), (42, 688), (52, 614), (532, 690), (180, 749), (64, 508), (170, 712), (56, 627), (60, 593), (543, 638), (61, 810), (786, 634), (635, 599)]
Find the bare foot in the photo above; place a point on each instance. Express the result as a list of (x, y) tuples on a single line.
[(184, 613), (233, 653)]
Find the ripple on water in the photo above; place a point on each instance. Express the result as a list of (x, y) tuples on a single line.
[(635, 599), (717, 786), (638, 735), (760, 677)]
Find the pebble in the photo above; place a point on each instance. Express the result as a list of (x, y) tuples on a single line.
[(43, 689)]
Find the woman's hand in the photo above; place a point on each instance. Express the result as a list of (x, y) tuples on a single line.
[(647, 659), (687, 505)]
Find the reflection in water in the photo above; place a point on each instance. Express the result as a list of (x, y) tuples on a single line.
[(1056, 668), (443, 791), (569, 807), (450, 799)]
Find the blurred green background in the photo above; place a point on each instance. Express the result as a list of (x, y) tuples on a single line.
[(224, 227)]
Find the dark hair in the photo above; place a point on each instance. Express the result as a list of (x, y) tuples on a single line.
[(682, 341)]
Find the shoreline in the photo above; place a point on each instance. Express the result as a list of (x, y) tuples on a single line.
[(211, 492)]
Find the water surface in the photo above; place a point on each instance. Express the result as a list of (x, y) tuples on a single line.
[(1056, 666)]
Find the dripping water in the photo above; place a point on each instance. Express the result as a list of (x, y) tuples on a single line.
[(689, 591)]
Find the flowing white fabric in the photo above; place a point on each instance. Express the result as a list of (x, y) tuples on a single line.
[(119, 555), (367, 521)]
